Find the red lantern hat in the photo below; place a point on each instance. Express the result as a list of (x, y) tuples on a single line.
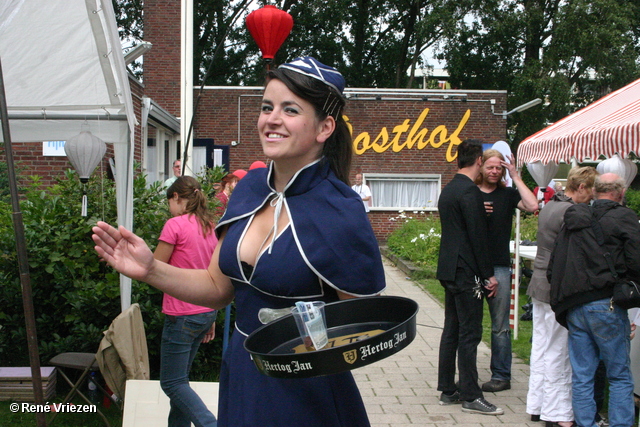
[(240, 173), (269, 27), (257, 165)]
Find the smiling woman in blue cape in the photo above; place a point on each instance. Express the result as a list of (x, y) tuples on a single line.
[(294, 231)]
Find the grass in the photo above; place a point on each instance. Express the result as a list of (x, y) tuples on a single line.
[(9, 418), (521, 347), (13, 419), (418, 241)]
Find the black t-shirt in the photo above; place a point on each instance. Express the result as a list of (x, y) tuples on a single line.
[(505, 200)]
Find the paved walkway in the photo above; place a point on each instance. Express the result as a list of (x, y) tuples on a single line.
[(401, 390)]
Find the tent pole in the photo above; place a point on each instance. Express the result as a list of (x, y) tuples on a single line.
[(23, 262), (518, 275), (66, 116)]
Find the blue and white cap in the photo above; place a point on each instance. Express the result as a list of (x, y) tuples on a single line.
[(311, 67)]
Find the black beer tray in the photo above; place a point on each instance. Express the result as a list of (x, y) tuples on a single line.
[(361, 331)]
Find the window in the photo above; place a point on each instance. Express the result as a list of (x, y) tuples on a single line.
[(151, 156), (403, 191), (163, 147)]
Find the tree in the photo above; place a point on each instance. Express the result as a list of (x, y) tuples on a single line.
[(129, 19), (385, 41), (567, 52), (373, 42), (222, 51)]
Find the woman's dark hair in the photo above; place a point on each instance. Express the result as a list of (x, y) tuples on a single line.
[(338, 148), (188, 188)]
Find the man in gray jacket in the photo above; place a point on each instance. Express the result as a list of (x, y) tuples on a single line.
[(582, 284)]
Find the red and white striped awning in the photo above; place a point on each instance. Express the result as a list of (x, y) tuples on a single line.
[(608, 126)]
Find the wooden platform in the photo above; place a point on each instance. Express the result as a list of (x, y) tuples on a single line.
[(146, 405), (15, 383)]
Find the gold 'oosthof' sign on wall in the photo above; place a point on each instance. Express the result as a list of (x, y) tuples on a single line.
[(417, 136)]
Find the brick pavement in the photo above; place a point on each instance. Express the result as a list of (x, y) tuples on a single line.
[(401, 390)]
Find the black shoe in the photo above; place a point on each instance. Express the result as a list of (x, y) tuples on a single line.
[(481, 406), (452, 399), (535, 417), (494, 386)]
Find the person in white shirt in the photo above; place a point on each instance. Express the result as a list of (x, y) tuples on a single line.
[(363, 190), (176, 173)]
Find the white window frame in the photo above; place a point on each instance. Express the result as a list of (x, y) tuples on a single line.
[(371, 178), (164, 137), (160, 125)]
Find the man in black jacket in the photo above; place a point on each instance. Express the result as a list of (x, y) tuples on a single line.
[(581, 290), (463, 266)]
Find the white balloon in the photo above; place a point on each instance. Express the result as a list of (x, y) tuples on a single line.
[(624, 168), (543, 174)]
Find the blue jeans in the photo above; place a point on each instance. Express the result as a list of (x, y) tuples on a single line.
[(598, 331), (181, 339), (500, 308)]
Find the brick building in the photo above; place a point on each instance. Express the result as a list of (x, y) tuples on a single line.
[(404, 141)]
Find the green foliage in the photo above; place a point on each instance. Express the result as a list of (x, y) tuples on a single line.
[(528, 227), (209, 180), (418, 240), (129, 18), (520, 346), (374, 43), (74, 294), (64, 419), (5, 193), (632, 198), (527, 178), (4, 182), (566, 53), (210, 177)]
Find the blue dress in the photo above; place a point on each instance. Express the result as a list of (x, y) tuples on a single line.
[(328, 246)]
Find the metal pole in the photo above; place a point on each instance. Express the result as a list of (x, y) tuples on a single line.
[(23, 263), (186, 84), (67, 116), (516, 318)]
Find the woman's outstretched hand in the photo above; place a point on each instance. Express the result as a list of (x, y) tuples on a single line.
[(123, 250)]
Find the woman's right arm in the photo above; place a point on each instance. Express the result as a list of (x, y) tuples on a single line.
[(130, 255)]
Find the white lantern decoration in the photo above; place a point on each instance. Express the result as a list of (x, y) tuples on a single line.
[(85, 151), (542, 174), (624, 168)]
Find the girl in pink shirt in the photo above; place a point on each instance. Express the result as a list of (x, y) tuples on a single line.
[(187, 241)]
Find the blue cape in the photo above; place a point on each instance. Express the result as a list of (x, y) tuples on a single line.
[(330, 225)]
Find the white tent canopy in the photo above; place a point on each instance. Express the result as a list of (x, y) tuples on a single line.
[(62, 66)]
